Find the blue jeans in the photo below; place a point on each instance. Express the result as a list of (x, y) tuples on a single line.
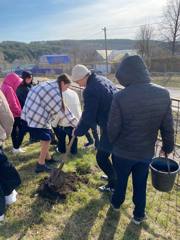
[(139, 170)]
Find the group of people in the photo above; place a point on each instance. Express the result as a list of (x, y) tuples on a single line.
[(129, 121)]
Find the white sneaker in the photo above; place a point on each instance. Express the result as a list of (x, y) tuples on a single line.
[(1, 218), (104, 177), (138, 221), (22, 150), (10, 199), (57, 150), (18, 150)]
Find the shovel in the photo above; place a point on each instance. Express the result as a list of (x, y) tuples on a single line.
[(64, 158), (57, 176)]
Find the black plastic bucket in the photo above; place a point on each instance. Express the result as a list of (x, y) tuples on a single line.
[(163, 173)]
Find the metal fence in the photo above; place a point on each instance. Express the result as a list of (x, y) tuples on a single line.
[(176, 116)]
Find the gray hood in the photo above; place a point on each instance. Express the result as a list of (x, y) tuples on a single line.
[(132, 70)]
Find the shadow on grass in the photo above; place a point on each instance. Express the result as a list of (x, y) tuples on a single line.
[(132, 232), (19, 227), (110, 224), (150, 230), (84, 151), (23, 158), (80, 223), (27, 167)]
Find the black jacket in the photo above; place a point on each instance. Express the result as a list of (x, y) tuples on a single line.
[(138, 112), (98, 96), (22, 92)]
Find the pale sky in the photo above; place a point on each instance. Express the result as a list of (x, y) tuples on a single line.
[(25, 21)]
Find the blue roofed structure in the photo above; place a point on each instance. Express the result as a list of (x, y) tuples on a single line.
[(55, 59)]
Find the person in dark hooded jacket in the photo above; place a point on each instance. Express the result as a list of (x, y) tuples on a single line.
[(22, 92), (137, 113), (98, 95), (24, 88)]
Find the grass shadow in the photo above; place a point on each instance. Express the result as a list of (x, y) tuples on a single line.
[(83, 151), (80, 223), (132, 232), (110, 224), (150, 230), (19, 227)]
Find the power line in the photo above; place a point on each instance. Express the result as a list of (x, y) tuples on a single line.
[(132, 26), (112, 29)]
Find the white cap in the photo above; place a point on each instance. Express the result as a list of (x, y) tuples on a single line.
[(79, 72)]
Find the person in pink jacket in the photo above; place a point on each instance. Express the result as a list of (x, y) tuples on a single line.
[(9, 87)]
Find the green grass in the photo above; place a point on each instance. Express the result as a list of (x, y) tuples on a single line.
[(165, 81), (86, 214), (172, 81)]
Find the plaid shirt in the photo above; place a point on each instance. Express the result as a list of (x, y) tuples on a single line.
[(44, 106)]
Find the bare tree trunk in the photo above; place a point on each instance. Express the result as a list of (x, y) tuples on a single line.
[(144, 44), (171, 24)]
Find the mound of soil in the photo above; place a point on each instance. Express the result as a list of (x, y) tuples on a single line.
[(59, 184)]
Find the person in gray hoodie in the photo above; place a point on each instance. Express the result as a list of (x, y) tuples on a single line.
[(137, 113)]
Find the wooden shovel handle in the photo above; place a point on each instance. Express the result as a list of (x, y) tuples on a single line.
[(68, 149)]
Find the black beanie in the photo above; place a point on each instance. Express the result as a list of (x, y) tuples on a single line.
[(26, 74)]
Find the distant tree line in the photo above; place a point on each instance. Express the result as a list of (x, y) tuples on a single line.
[(81, 50)]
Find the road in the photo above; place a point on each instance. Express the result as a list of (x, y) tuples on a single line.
[(174, 92)]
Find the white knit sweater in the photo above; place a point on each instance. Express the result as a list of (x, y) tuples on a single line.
[(71, 100)]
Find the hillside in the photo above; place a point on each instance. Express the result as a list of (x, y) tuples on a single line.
[(29, 52)]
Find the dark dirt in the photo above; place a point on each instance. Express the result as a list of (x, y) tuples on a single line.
[(59, 185)]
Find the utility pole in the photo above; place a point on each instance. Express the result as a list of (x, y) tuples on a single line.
[(105, 38)]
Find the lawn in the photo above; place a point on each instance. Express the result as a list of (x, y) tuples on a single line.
[(165, 81), (85, 214), (169, 81)]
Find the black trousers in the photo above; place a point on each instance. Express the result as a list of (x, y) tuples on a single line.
[(61, 133), (103, 160), (2, 201), (95, 136), (89, 138), (9, 179)]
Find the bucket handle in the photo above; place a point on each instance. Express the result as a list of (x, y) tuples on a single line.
[(168, 163)]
